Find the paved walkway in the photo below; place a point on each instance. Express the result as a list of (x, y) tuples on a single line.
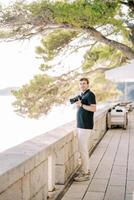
[(112, 168)]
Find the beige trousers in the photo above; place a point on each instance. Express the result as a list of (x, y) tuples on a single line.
[(83, 145)]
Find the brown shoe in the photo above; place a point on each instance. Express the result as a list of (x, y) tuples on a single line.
[(82, 177), (81, 172)]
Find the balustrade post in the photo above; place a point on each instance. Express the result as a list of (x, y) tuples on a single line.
[(51, 172)]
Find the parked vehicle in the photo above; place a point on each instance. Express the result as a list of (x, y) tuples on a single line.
[(117, 116)]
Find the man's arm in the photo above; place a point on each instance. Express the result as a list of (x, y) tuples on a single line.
[(91, 107)]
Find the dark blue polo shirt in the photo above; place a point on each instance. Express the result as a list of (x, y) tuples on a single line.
[(84, 117)]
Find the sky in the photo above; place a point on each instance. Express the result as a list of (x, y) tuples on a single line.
[(18, 63), (7, 2)]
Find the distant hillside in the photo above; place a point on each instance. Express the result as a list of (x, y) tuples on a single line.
[(7, 91)]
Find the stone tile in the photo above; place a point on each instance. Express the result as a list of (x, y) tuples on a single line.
[(77, 192), (106, 164), (115, 193), (117, 180), (131, 166), (102, 173), (70, 198), (98, 185), (130, 187), (86, 183), (38, 196), (129, 197), (77, 188), (29, 165), (74, 195), (121, 162), (11, 159), (38, 179), (15, 174), (60, 156), (120, 170), (3, 182), (26, 187), (131, 157), (45, 192), (94, 196), (60, 174), (12, 193), (130, 175)]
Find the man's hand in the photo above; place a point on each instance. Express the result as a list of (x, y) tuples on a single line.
[(78, 103), (91, 107)]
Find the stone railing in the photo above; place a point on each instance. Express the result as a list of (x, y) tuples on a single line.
[(36, 168)]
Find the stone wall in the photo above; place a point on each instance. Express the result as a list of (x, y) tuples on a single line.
[(32, 169)]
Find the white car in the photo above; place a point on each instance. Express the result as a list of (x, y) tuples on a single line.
[(117, 116)]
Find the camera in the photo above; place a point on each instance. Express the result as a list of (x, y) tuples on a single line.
[(73, 100)]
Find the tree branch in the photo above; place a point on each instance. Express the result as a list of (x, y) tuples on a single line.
[(100, 37), (130, 4)]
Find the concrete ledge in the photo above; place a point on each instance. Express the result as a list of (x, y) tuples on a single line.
[(24, 170)]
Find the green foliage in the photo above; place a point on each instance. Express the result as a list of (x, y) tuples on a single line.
[(42, 10), (103, 55), (38, 96), (80, 13), (12, 11), (7, 33), (55, 41), (29, 98), (3, 34)]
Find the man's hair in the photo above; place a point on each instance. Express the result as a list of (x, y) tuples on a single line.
[(85, 79)]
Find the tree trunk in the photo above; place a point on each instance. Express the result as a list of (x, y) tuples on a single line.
[(99, 37)]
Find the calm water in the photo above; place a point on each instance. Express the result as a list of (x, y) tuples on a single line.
[(15, 129)]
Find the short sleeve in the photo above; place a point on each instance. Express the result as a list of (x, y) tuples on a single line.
[(91, 98)]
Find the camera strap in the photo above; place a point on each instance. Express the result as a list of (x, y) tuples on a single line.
[(83, 93)]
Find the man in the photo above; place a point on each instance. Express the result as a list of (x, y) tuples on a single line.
[(86, 108)]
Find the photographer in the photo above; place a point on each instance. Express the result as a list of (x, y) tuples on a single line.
[(86, 104)]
